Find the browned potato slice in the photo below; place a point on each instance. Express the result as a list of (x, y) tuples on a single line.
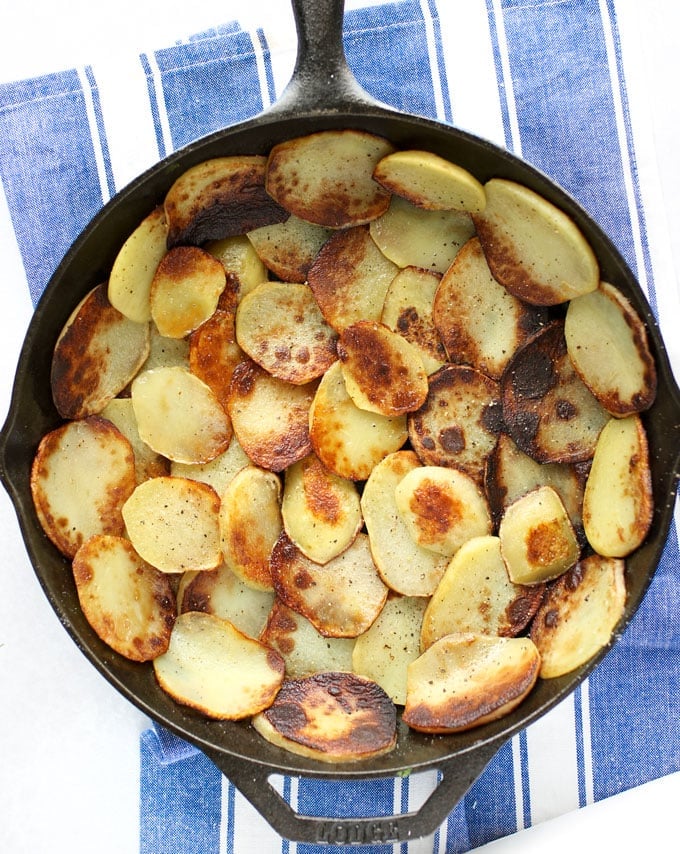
[(326, 177), (404, 566), (459, 422), (134, 267), (331, 717), (129, 604), (279, 325), (321, 511), (341, 598), (350, 441), (213, 667), (220, 198), (270, 417), (538, 542), (476, 595), (383, 373), (289, 248), (179, 416), (350, 277), (250, 524), (534, 249), (96, 355), (147, 462), (466, 680), (173, 524), (579, 614), (166, 352), (442, 508), (214, 353), (384, 652), (81, 475), (185, 290), (547, 409), (302, 647), (479, 321), (240, 261), (607, 344), (618, 503), (219, 472)]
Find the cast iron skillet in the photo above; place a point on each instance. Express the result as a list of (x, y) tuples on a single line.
[(322, 94)]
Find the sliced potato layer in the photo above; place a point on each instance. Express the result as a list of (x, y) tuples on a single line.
[(240, 261), (289, 248), (214, 353), (219, 472), (148, 463)]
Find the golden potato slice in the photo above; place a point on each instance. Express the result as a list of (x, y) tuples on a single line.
[(289, 248), (321, 512), (279, 325), (466, 680), (173, 523), (81, 475), (129, 604), (442, 508), (341, 598), (538, 542), (220, 198), (213, 667), (185, 290), (270, 417), (330, 717), (214, 353), (579, 614), (326, 177), (532, 247), (413, 237), (547, 409), (617, 502), (166, 352), (133, 269), (404, 566), (179, 416), (350, 277), (384, 651), (607, 344), (240, 261), (350, 441), (303, 649), (219, 472), (250, 524), (430, 181), (480, 323), (148, 463), (97, 353), (476, 595)]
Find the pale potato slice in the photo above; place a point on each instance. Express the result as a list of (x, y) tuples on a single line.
[(213, 667), (579, 615), (219, 472), (465, 680), (533, 248), (607, 343), (442, 508), (341, 598), (480, 323), (214, 353), (538, 542), (81, 475), (289, 248), (350, 441), (617, 502), (321, 512), (404, 566), (476, 595), (173, 523), (240, 261), (148, 463), (133, 269), (185, 290), (279, 325), (129, 604), (270, 417), (166, 352), (97, 353), (384, 652), (219, 198), (413, 237), (330, 717), (250, 524), (326, 177), (179, 416), (430, 181), (303, 649), (350, 277)]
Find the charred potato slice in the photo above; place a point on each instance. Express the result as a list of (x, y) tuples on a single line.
[(289, 248), (148, 463), (214, 353)]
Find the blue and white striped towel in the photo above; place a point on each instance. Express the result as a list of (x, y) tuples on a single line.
[(545, 78)]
